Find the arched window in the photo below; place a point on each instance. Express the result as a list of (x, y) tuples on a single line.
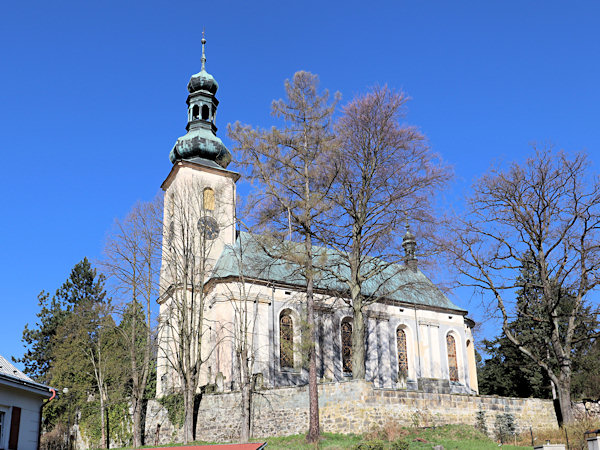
[(205, 112), (286, 341), (402, 354), (452, 364), (347, 346), (209, 199), (195, 112)]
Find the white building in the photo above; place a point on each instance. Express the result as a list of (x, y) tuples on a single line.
[(416, 338), (21, 401)]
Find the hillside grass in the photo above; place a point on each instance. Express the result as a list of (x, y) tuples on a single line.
[(450, 436), (391, 436)]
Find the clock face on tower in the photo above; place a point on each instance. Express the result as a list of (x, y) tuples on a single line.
[(209, 227)]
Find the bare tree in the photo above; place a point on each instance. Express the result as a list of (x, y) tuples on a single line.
[(132, 262), (245, 299), (543, 214), (386, 174), (290, 165), (190, 247)]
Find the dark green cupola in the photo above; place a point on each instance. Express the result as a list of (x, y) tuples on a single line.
[(201, 144)]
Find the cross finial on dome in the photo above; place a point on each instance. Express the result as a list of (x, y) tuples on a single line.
[(203, 54)]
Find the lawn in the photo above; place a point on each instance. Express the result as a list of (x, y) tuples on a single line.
[(389, 437), (450, 436)]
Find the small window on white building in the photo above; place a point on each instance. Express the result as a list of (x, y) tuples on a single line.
[(286, 341), (402, 353), (347, 346), (452, 362)]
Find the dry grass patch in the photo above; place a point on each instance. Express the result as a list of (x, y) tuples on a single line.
[(574, 433)]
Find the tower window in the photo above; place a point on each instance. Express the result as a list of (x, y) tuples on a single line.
[(205, 112), (209, 199), (452, 363), (195, 112), (286, 341), (347, 346)]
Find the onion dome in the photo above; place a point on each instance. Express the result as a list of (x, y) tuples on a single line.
[(201, 143), (203, 81)]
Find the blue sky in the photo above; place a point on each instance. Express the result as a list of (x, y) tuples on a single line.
[(93, 98)]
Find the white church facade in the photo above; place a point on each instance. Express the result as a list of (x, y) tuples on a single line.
[(416, 338)]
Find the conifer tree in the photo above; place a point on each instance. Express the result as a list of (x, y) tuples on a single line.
[(39, 340), (291, 165)]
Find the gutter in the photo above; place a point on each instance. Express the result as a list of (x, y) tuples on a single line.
[(40, 421), (42, 389)]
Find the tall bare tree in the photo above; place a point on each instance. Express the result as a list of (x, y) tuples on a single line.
[(132, 263), (543, 214), (244, 298), (188, 259), (386, 174), (290, 165)]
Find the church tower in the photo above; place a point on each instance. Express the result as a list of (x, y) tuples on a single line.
[(199, 181), (199, 218)]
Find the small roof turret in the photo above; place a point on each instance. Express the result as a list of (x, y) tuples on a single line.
[(409, 243)]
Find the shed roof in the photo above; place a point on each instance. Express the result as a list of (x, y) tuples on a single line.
[(251, 259), (7, 368), (13, 376)]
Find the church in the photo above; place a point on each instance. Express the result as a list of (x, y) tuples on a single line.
[(220, 287)]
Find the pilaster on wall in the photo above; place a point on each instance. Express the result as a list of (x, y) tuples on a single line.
[(347, 407), (371, 355), (385, 379)]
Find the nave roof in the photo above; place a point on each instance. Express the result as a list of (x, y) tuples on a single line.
[(253, 259)]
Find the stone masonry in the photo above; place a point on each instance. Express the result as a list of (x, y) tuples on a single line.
[(347, 407)]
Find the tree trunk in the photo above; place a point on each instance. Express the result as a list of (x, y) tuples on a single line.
[(358, 325), (246, 397), (137, 421), (188, 422), (358, 341), (564, 400), (313, 393), (102, 421)]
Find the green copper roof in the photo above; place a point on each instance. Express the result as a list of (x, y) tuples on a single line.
[(203, 81), (203, 143), (396, 282)]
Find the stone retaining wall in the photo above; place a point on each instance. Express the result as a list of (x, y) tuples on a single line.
[(348, 407)]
